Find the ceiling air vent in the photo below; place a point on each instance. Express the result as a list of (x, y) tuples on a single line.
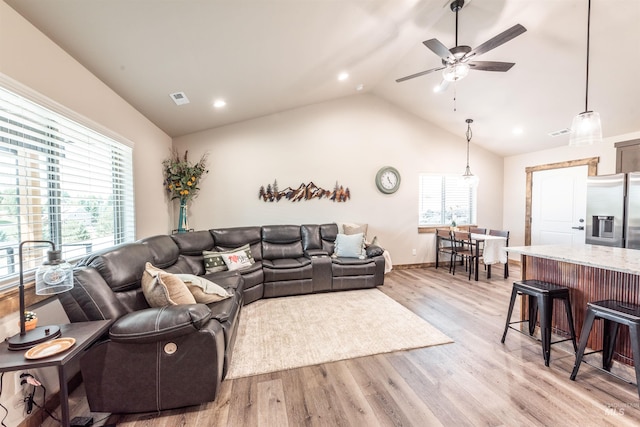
[(564, 131), (179, 98)]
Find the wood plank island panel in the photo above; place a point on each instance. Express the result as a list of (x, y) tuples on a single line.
[(591, 273)]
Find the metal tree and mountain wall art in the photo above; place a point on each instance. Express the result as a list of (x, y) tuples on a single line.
[(303, 192)]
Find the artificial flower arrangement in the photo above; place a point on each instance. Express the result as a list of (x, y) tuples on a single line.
[(30, 320), (181, 177)]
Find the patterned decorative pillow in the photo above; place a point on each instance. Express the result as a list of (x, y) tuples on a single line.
[(214, 261), (239, 259), (350, 246), (204, 291), (162, 289)]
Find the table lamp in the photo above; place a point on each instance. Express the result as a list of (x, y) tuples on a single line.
[(53, 277)]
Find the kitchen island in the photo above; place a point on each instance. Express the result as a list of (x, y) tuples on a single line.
[(591, 273)]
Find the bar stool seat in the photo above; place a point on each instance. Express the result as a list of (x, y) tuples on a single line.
[(614, 313), (541, 297)]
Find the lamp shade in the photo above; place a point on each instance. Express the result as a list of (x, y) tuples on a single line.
[(469, 179), (54, 276), (586, 129)]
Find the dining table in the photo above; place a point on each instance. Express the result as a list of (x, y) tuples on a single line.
[(491, 249)]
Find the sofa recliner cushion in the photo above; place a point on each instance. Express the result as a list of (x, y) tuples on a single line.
[(159, 324), (277, 270)]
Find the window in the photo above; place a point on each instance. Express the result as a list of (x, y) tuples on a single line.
[(59, 181), (444, 199)]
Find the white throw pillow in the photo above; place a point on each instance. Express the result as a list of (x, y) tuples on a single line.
[(238, 259), (204, 291)]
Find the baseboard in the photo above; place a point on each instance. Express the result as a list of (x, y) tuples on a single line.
[(410, 266), (433, 264)]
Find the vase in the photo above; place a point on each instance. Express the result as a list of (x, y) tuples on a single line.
[(183, 223), (30, 324)]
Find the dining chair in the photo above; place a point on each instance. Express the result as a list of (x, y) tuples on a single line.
[(505, 234), (477, 230), (444, 241), (464, 249)]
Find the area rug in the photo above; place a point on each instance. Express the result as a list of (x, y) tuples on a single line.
[(283, 333)]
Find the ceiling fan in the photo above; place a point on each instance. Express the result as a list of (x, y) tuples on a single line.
[(456, 62)]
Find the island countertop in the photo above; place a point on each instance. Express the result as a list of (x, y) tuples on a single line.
[(604, 257)]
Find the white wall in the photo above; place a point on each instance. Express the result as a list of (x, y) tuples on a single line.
[(30, 58), (345, 140), (30, 61), (515, 177)]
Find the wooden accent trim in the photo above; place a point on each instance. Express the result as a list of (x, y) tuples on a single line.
[(592, 170), (10, 299), (427, 230)]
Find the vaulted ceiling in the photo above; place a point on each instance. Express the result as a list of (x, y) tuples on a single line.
[(267, 56)]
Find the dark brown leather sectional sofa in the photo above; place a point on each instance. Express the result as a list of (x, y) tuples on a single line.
[(169, 357)]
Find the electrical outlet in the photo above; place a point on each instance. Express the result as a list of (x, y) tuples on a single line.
[(414, 252)]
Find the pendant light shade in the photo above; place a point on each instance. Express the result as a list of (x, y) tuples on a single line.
[(468, 178), (586, 128)]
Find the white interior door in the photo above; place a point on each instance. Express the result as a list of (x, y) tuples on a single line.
[(559, 206)]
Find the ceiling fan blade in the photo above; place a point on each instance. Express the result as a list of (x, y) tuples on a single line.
[(491, 65), (496, 41), (438, 48), (421, 73)]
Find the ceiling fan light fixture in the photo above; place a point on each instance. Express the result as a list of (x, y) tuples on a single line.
[(456, 72), (586, 129)]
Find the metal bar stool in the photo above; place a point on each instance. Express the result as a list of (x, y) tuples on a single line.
[(541, 296), (614, 314)]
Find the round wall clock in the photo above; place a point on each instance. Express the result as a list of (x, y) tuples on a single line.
[(388, 180)]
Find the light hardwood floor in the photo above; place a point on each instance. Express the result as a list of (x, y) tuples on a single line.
[(474, 381)]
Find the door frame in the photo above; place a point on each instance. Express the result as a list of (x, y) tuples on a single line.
[(592, 170)]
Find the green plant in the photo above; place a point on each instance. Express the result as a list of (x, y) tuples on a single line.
[(181, 177), (29, 315)]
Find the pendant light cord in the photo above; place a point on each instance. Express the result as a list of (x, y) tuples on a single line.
[(586, 92), (469, 134)]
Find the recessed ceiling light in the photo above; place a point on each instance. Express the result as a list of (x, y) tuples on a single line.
[(517, 130), (343, 76), (219, 103)]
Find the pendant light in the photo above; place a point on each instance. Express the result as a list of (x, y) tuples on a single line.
[(468, 178), (586, 128)]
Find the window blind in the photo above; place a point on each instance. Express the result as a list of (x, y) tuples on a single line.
[(59, 181), (444, 199)]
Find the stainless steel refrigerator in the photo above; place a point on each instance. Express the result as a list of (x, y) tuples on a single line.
[(613, 210)]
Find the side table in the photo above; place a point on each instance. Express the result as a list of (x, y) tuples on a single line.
[(85, 334)]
